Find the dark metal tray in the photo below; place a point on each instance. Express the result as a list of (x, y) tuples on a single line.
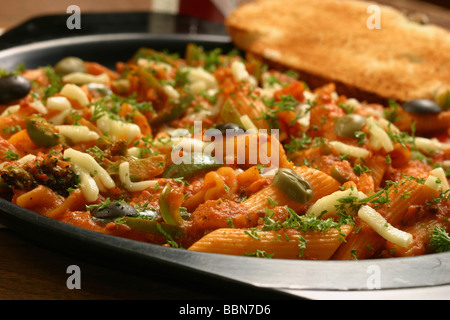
[(425, 277)]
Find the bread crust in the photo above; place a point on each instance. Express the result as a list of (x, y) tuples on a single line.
[(329, 41)]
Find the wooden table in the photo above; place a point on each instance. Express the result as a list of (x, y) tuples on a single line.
[(29, 271)]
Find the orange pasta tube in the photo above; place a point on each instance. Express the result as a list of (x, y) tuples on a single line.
[(216, 185), (377, 166), (425, 123), (408, 192), (253, 149), (74, 202), (421, 237), (283, 244), (249, 176), (321, 183), (362, 243), (39, 200), (245, 105)]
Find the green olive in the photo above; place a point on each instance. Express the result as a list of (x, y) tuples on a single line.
[(293, 185), (69, 65), (347, 125), (339, 174), (41, 132), (443, 99)]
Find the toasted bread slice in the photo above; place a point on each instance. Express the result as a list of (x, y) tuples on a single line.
[(330, 41)]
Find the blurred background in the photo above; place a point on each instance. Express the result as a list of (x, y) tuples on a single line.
[(19, 11)]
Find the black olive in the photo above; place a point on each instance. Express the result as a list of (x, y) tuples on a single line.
[(115, 209), (13, 87), (230, 129), (421, 106)]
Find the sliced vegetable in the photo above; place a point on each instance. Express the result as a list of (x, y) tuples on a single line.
[(151, 54), (169, 203), (197, 56), (194, 54), (41, 132), (230, 114), (150, 82), (152, 226), (147, 168), (173, 111), (199, 162)]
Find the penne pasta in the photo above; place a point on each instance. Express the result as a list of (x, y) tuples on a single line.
[(362, 243), (216, 153), (282, 244), (321, 183), (40, 199), (407, 193)]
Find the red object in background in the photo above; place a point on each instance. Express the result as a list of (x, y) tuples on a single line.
[(202, 9)]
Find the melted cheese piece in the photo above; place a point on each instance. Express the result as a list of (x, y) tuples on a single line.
[(248, 123), (240, 73), (23, 160), (352, 151), (268, 87), (378, 223), (118, 129), (77, 134), (430, 146), (81, 78), (200, 79), (10, 110), (328, 205), (58, 103), (152, 64), (171, 92), (124, 174), (88, 185), (39, 107), (90, 173), (437, 180), (72, 91), (378, 138), (61, 104)]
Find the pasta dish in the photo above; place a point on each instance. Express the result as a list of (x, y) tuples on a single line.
[(217, 153)]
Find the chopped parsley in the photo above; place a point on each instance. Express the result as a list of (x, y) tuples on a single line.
[(440, 240)]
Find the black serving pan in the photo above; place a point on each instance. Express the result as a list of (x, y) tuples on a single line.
[(424, 277)]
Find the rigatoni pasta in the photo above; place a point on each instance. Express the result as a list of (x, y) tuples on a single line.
[(216, 153)]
